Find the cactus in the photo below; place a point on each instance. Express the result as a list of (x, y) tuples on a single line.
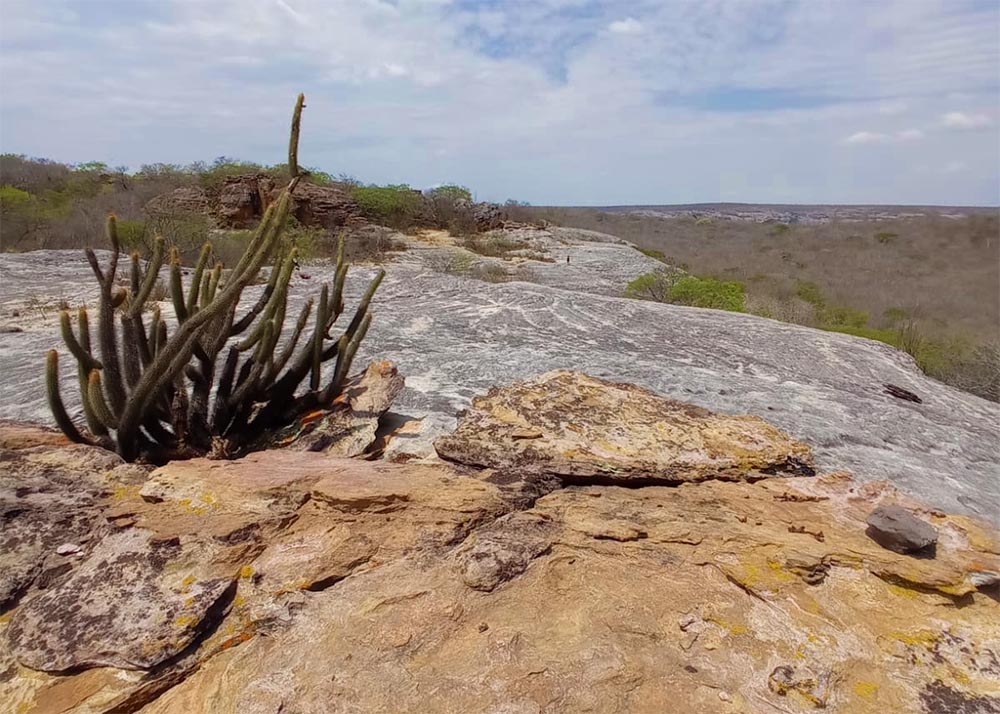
[(154, 392)]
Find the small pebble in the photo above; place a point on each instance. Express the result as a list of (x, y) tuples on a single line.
[(68, 549), (724, 696)]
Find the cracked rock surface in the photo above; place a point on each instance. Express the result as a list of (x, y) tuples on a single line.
[(297, 581), (455, 337)]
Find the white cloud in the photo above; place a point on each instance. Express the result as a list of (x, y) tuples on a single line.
[(292, 12), (866, 137), (961, 120), (954, 167), (395, 70), (628, 26), (534, 101)]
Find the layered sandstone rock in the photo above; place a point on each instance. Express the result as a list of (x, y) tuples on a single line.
[(241, 201), (588, 430), (295, 581)]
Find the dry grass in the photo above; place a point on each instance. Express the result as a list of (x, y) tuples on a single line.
[(944, 271)]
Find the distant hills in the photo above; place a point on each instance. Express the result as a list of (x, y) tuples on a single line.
[(797, 213)]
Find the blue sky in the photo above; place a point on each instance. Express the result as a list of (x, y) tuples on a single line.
[(550, 101)]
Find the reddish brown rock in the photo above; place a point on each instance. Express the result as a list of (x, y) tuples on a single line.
[(325, 207), (243, 200)]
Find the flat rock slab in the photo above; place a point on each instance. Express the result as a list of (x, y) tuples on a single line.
[(589, 430), (133, 604), (455, 337), (700, 598), (299, 582)]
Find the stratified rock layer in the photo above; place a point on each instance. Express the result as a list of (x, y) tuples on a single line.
[(294, 581), (590, 430)]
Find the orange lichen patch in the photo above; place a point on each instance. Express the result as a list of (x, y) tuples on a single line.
[(311, 417), (237, 640), (246, 572)]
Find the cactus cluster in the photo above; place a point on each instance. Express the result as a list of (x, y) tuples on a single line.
[(156, 391)]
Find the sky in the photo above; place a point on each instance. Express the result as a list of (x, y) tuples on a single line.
[(569, 102)]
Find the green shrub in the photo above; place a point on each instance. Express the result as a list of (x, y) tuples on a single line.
[(810, 292), (307, 240), (708, 292), (451, 192), (843, 317), (187, 230), (886, 236), (492, 245), (889, 337), (779, 229), (396, 206), (895, 315), (654, 254), (490, 273), (13, 198), (132, 235), (652, 286)]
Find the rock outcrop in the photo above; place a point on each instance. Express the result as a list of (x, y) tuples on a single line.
[(180, 201), (243, 200), (455, 337), (325, 207), (240, 203), (297, 581)]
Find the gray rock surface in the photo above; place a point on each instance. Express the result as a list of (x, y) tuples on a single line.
[(454, 338), (897, 529)]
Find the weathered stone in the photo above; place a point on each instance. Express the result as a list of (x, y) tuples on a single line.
[(588, 623), (134, 603), (786, 680), (454, 338), (897, 529), (422, 587), (349, 428), (496, 554), (588, 430), (243, 200), (184, 200), (325, 206), (50, 492)]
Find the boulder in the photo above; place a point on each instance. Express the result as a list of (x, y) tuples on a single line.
[(896, 528), (488, 216), (350, 426), (324, 206)]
